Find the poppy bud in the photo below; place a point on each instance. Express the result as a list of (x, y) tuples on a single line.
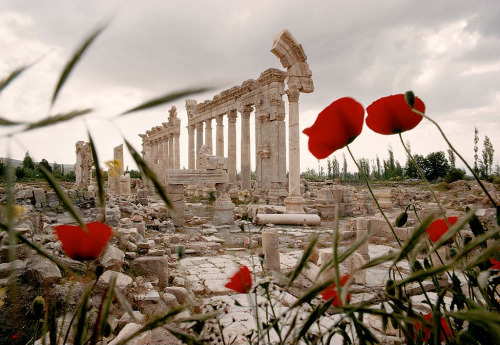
[(99, 270), (401, 219), (181, 250), (427, 264), (410, 98), (38, 306), (417, 266)]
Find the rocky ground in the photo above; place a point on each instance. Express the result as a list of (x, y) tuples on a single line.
[(144, 255)]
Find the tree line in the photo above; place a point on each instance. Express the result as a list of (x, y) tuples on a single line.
[(435, 166)]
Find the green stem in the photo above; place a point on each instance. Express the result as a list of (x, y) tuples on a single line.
[(387, 220), (373, 196), (421, 173), (458, 154)]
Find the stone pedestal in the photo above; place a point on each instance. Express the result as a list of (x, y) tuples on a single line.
[(270, 247), (125, 185), (176, 195), (295, 204), (142, 196), (223, 212)]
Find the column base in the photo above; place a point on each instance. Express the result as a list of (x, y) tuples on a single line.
[(295, 204)]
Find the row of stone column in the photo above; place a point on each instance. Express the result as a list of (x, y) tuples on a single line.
[(204, 137)]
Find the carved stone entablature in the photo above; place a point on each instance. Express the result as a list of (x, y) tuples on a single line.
[(264, 151), (263, 116)]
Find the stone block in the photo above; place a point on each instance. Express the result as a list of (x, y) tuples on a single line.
[(270, 247), (113, 258), (39, 194), (151, 266)]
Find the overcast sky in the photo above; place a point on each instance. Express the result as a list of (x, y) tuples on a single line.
[(448, 52)]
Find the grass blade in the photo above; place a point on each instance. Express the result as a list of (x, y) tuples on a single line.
[(303, 260), (13, 75), (150, 175), (5, 122), (62, 195), (414, 239), (156, 322), (52, 120), (125, 304), (98, 173), (74, 60), (164, 99)]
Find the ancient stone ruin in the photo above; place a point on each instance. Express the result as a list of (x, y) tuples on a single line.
[(83, 165)]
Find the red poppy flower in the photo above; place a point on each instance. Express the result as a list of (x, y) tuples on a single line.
[(391, 115), (439, 227), (241, 281), (79, 244), (445, 330), (331, 292), (495, 263), (336, 126)]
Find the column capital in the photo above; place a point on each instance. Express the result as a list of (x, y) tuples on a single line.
[(191, 128), (246, 110), (232, 116), (293, 95), (199, 125), (219, 119), (208, 123)]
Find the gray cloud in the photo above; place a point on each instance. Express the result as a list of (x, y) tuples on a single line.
[(447, 51)]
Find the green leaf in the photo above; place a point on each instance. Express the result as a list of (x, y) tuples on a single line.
[(81, 321), (98, 173), (154, 323), (5, 122), (107, 303), (52, 120), (62, 195), (125, 304), (414, 239), (74, 60), (185, 337), (150, 175), (13, 75), (306, 255), (164, 99)]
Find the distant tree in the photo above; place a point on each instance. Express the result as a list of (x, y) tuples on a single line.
[(364, 164), (20, 173), (410, 168), (476, 149), (451, 158), (344, 168), (45, 164), (28, 162), (335, 168), (436, 165), (329, 168), (70, 176), (57, 170), (135, 174), (487, 162), (379, 168), (454, 175)]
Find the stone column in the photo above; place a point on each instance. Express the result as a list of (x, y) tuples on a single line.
[(177, 154), (219, 136), (258, 147), (208, 134), (199, 140), (191, 153), (171, 156), (246, 172), (231, 146), (270, 246), (362, 225), (164, 164), (294, 202)]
